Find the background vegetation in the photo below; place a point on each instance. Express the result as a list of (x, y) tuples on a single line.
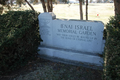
[(19, 39), (112, 50)]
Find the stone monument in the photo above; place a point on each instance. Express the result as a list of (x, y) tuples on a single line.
[(73, 40)]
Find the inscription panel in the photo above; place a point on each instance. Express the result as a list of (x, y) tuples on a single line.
[(76, 35)]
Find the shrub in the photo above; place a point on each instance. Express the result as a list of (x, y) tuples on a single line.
[(19, 39), (112, 49)]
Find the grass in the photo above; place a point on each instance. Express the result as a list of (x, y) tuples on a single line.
[(63, 11), (72, 12)]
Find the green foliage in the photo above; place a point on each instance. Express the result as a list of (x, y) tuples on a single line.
[(112, 49), (19, 39)]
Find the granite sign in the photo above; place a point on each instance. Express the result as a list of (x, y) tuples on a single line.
[(71, 39)]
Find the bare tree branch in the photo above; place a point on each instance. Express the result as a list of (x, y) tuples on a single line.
[(86, 9), (30, 5)]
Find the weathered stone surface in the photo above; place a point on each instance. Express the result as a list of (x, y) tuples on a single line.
[(72, 40)]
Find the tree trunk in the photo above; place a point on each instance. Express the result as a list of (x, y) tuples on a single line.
[(51, 9), (81, 12), (29, 5), (43, 4), (49, 5), (86, 9), (117, 7)]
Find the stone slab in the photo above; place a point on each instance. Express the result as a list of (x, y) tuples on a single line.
[(70, 55), (84, 36), (74, 40), (78, 35)]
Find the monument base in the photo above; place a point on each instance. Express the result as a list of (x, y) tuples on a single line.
[(71, 57)]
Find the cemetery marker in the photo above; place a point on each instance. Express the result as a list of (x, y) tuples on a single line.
[(73, 40)]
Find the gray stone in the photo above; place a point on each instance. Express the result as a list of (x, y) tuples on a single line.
[(71, 40)]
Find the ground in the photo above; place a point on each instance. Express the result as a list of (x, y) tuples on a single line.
[(41, 69)]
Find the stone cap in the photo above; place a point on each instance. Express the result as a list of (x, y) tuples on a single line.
[(53, 15)]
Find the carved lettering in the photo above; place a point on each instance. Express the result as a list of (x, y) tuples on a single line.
[(67, 31), (66, 26), (80, 27), (87, 33), (77, 32)]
